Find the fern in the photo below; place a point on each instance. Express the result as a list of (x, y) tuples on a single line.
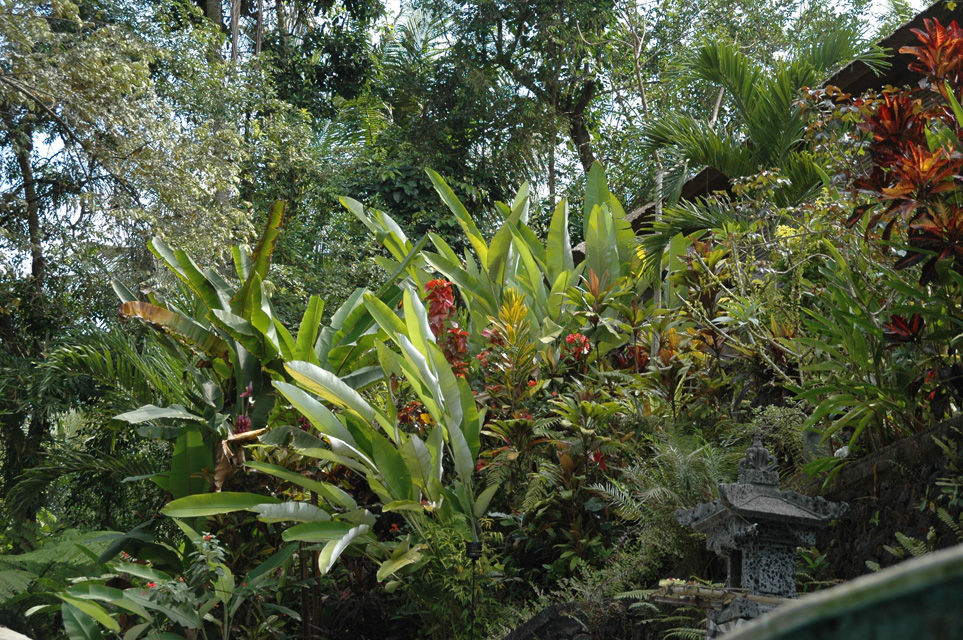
[(536, 491), (619, 498), (915, 547), (955, 525), (66, 555), (129, 374), (686, 633)]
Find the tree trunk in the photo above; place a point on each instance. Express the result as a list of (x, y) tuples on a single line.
[(235, 28), (213, 12), (38, 265), (281, 20), (259, 32), (551, 170), (577, 128), (582, 139)]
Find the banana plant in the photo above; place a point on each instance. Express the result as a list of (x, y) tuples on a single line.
[(243, 347), (407, 472)]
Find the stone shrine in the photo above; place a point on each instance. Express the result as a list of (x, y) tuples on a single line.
[(757, 527)]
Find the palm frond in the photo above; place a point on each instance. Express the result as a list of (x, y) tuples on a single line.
[(130, 373), (699, 143), (686, 218), (723, 64), (63, 462)]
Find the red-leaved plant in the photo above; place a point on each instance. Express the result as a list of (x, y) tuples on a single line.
[(914, 184)]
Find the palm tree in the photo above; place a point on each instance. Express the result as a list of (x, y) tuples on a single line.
[(766, 127), (763, 131)]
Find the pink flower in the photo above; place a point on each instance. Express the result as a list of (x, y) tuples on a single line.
[(151, 584)]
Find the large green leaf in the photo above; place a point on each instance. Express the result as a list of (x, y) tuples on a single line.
[(242, 301), (308, 330), (596, 195), (209, 504), (92, 609), (398, 561), (290, 512), (601, 243), (386, 230), (317, 531), (462, 216), (179, 614), (329, 492), (93, 591), (188, 272), (330, 387), (244, 332), (150, 412), (79, 625), (276, 560), (333, 550), (190, 459), (319, 415), (392, 469)]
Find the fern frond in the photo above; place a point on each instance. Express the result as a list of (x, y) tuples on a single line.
[(956, 526), (618, 497)]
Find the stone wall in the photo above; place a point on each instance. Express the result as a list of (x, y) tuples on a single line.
[(884, 491)]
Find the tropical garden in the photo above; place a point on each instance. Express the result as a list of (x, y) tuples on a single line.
[(349, 319)]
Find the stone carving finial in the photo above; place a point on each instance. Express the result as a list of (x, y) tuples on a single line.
[(759, 466)]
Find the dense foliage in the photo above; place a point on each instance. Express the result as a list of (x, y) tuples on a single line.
[(417, 412)]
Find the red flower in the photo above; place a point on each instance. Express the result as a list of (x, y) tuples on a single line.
[(151, 584), (532, 383), (577, 344), (599, 460), (242, 424), (394, 528)]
